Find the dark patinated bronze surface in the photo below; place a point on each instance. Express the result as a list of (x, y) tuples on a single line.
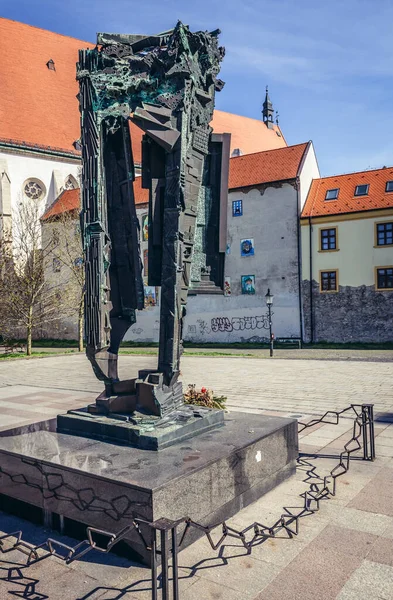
[(166, 85)]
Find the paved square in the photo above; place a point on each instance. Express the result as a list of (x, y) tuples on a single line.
[(342, 552)]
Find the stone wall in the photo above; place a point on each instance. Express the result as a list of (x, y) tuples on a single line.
[(354, 314)]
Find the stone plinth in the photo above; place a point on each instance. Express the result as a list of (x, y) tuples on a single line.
[(208, 478), (148, 432)]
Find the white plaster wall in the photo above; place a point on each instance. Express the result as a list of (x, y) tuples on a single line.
[(309, 171), (270, 218), (51, 172), (357, 255)]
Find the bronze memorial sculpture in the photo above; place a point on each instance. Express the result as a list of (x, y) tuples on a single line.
[(166, 85)]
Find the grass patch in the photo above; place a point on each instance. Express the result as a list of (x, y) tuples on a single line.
[(12, 355), (143, 352)]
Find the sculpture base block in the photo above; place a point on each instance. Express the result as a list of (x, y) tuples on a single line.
[(147, 432), (208, 478)]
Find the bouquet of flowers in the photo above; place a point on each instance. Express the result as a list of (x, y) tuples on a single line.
[(204, 397)]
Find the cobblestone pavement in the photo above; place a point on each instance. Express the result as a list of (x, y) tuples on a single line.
[(37, 389)]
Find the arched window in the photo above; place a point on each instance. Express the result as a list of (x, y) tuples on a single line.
[(70, 183)]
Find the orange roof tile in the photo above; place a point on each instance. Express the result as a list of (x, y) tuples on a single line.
[(38, 107), (67, 201), (249, 135), (347, 202), (70, 200), (264, 167)]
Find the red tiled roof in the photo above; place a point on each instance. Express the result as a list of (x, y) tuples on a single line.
[(347, 202), (38, 107), (67, 201), (264, 167), (249, 135), (70, 200)]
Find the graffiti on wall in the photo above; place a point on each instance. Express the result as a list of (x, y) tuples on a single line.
[(226, 324), (204, 328)]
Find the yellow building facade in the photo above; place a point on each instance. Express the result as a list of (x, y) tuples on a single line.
[(347, 259)]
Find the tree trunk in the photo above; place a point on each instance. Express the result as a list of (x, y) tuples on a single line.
[(80, 324), (29, 331)]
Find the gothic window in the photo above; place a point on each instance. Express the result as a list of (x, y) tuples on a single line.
[(70, 183), (34, 189)]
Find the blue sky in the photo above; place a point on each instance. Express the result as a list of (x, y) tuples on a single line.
[(328, 65)]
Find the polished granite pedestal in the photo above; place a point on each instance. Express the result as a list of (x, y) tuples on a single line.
[(208, 478)]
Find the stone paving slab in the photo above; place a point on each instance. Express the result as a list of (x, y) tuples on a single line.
[(287, 387)]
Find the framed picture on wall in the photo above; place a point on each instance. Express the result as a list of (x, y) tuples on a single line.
[(237, 208), (248, 284), (150, 296), (247, 247)]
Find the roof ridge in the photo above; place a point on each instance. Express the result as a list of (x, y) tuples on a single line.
[(45, 30), (357, 172), (226, 112), (272, 150)]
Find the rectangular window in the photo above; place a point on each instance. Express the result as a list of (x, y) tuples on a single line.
[(237, 208), (329, 239), (332, 194), (384, 234), (389, 186), (385, 278), (329, 281), (361, 190)]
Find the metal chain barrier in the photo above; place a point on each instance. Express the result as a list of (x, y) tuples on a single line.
[(165, 540)]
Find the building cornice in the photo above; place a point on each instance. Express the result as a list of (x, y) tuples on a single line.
[(354, 216)]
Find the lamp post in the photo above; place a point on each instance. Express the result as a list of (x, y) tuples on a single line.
[(269, 301)]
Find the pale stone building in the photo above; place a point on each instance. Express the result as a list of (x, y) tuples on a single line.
[(347, 258)]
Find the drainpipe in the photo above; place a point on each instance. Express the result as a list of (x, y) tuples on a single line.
[(311, 290), (299, 260)]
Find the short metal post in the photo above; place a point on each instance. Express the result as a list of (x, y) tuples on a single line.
[(165, 564), (368, 433), (175, 566), (154, 564)]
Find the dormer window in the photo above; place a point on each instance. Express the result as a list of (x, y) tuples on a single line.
[(362, 190), (332, 194), (389, 186), (51, 65)]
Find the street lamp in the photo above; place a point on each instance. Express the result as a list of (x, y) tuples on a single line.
[(269, 301)]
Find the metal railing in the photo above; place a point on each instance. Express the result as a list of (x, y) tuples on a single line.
[(165, 540)]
